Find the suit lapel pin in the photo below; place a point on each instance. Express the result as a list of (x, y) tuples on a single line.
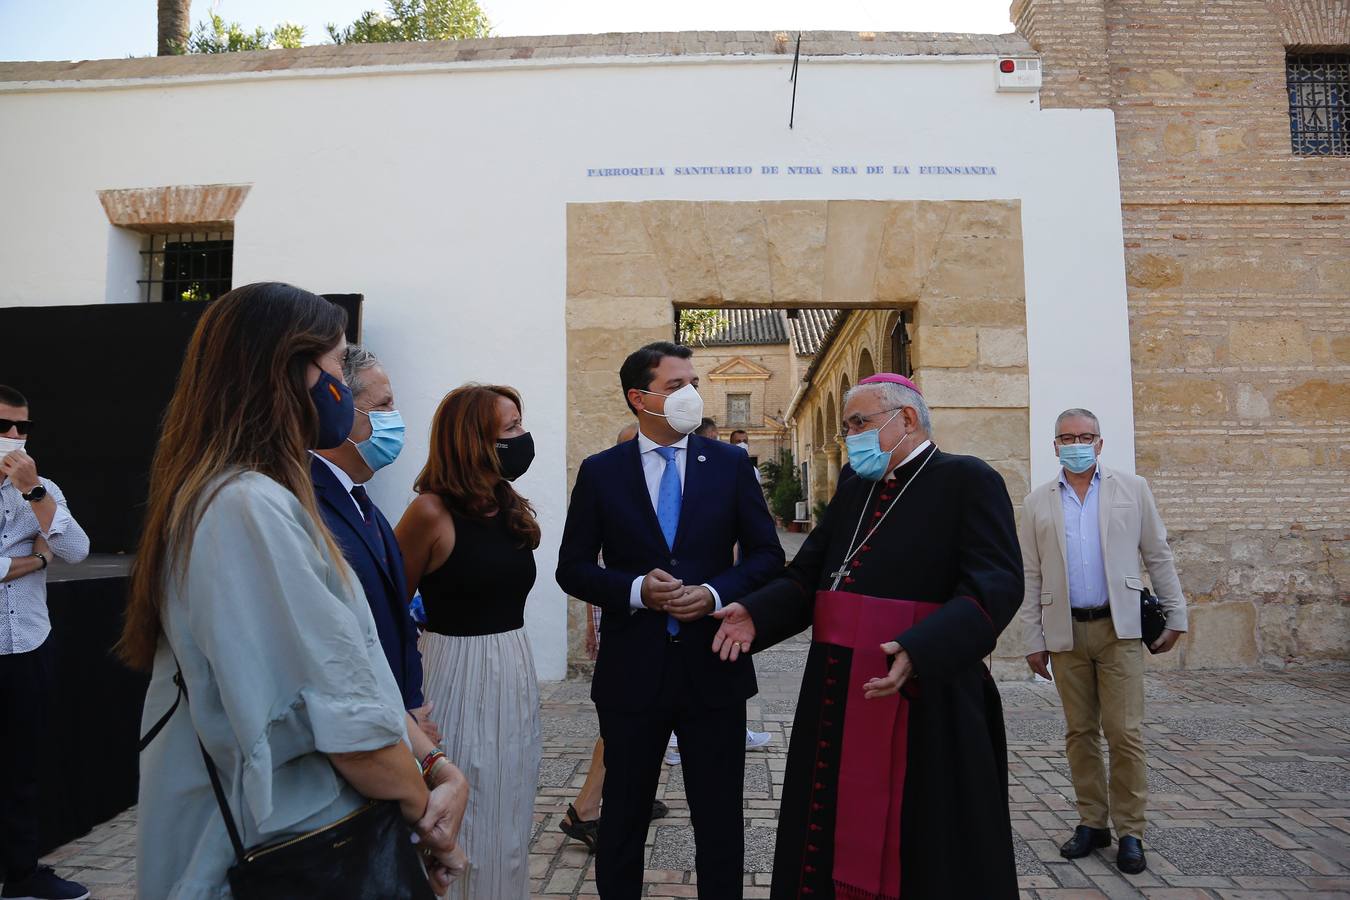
[(702, 458)]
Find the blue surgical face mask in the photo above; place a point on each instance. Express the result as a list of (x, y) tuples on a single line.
[(1077, 458), (385, 441), (333, 402), (865, 455)]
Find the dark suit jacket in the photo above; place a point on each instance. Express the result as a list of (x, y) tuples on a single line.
[(383, 580), (611, 513)]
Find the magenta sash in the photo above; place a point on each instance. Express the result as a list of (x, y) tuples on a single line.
[(876, 738)]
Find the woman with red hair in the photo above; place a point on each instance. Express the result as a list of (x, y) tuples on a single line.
[(468, 544)]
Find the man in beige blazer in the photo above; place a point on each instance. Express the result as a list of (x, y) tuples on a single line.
[(1083, 536)]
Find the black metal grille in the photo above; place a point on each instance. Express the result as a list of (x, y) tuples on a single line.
[(187, 267), (1319, 103)]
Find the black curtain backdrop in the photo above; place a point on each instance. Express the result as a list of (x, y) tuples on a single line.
[(98, 379)]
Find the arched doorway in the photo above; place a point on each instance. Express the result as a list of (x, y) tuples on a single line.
[(866, 368)]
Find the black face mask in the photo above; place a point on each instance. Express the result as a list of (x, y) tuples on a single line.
[(515, 455)]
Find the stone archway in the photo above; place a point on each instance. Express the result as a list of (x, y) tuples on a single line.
[(956, 265), (866, 368)]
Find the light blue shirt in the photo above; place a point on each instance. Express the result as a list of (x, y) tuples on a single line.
[(1083, 544)]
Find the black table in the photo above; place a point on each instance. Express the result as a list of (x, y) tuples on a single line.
[(89, 772)]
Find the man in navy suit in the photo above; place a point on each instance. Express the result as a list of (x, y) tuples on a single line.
[(362, 531), (666, 511)]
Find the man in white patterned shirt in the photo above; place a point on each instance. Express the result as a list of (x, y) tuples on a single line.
[(34, 523)]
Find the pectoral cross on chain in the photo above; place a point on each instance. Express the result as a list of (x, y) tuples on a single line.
[(839, 575)]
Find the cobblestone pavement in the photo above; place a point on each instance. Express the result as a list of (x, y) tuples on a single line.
[(1249, 775)]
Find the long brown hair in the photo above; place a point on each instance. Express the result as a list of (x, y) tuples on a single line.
[(241, 403), (462, 466)]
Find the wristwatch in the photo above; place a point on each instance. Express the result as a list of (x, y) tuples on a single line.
[(42, 557), (36, 494)]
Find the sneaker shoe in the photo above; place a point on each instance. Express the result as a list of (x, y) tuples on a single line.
[(756, 739), (672, 756), (44, 885)]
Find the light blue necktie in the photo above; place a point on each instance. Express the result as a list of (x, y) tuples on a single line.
[(669, 496)]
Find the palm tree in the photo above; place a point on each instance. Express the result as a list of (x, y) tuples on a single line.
[(174, 26)]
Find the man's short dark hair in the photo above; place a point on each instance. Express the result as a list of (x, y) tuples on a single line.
[(11, 397), (638, 369), (705, 425), (740, 431)]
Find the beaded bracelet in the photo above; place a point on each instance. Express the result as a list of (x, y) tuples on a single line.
[(430, 760)]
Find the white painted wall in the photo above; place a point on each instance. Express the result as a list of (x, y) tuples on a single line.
[(440, 195)]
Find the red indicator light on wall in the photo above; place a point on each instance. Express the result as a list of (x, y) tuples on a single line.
[(1006, 66)]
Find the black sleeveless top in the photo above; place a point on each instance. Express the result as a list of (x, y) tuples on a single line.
[(482, 587)]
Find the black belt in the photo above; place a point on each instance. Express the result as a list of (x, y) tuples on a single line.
[(1088, 615)]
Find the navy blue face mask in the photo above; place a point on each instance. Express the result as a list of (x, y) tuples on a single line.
[(333, 402)]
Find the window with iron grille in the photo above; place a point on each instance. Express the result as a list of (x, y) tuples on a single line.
[(1319, 102), (738, 410), (186, 267)]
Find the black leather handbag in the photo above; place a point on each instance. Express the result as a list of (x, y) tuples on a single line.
[(1152, 618), (366, 855)]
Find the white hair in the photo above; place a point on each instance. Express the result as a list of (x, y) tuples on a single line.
[(895, 396), (1078, 413), (355, 362)]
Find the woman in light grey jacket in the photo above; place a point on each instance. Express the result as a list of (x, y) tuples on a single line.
[(238, 583)]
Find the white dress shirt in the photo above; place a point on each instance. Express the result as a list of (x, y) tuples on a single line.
[(24, 622), (343, 478), (653, 467)]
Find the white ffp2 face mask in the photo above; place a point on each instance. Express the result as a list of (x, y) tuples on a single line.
[(684, 409), (9, 445)]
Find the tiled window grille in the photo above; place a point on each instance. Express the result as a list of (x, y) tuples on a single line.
[(1319, 102)]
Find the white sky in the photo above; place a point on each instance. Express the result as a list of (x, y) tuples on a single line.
[(103, 29)]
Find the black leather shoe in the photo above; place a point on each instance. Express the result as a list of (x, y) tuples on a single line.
[(1084, 841), (1130, 857)]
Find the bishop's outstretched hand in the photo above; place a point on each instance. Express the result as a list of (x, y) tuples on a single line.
[(736, 634)]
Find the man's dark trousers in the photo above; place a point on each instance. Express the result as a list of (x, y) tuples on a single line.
[(712, 756), (25, 697)]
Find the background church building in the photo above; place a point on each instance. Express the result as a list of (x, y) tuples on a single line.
[(1133, 207)]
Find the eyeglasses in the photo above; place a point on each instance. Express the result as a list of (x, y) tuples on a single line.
[(1085, 438), (859, 422), (21, 424)]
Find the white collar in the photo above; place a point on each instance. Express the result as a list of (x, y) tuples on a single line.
[(646, 444), (912, 456), (342, 476)]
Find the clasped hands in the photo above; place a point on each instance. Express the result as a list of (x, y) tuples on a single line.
[(438, 828), (737, 634), (663, 592)]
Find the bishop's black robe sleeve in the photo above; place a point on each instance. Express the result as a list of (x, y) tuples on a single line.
[(785, 606), (989, 585)]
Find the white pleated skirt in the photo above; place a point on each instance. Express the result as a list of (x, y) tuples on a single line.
[(486, 704)]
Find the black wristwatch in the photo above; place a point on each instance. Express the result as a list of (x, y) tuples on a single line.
[(42, 557), (36, 494)]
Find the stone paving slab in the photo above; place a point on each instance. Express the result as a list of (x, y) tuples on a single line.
[(1250, 775)]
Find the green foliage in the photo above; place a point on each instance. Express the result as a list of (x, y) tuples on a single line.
[(415, 20), (697, 325), (220, 36), (782, 486)]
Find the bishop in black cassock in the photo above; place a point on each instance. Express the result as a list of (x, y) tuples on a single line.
[(907, 582)]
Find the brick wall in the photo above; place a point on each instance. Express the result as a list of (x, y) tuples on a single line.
[(1238, 266)]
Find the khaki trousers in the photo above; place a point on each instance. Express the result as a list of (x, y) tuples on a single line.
[(1101, 685)]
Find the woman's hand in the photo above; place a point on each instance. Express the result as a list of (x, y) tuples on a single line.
[(438, 829), (443, 869)]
